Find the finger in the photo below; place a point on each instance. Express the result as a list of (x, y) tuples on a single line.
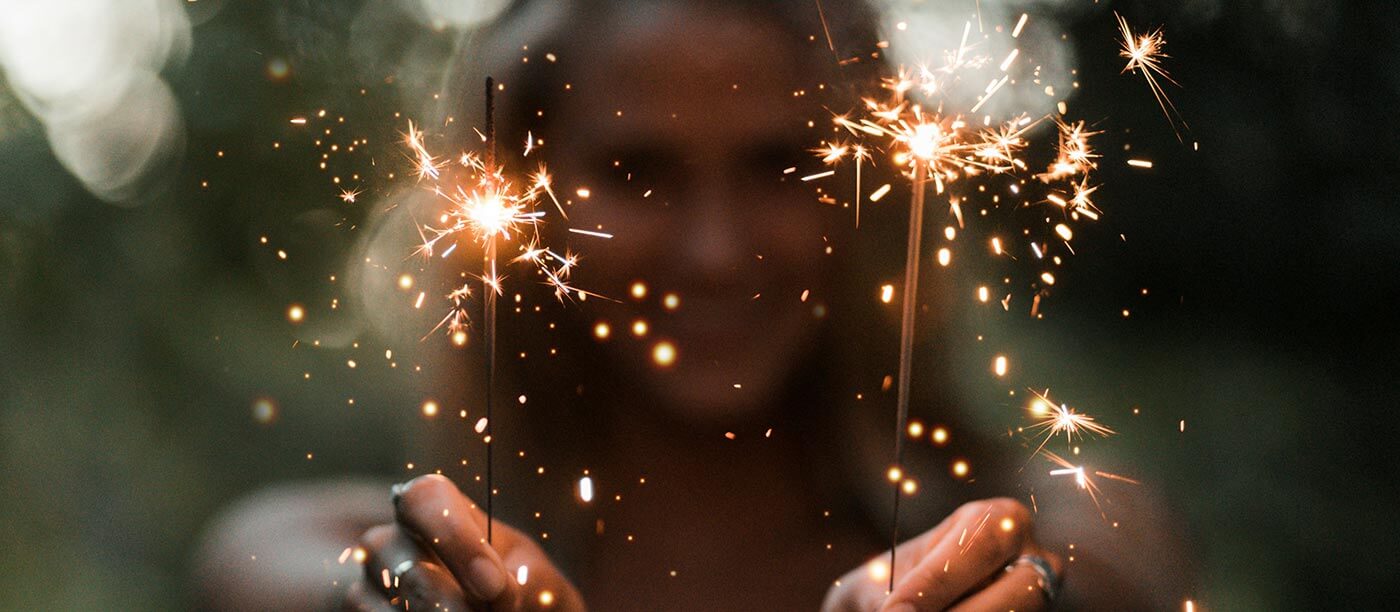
[(1021, 588), (361, 597), (542, 586), (981, 542), (402, 570), (865, 587), (444, 520)]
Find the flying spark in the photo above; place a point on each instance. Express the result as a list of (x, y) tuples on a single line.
[(1144, 54)]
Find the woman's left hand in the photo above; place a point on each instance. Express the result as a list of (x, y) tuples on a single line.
[(982, 557)]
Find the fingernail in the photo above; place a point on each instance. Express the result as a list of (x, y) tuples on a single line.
[(397, 491), (485, 579)]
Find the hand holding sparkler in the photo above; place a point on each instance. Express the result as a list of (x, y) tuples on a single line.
[(982, 557), (435, 556)]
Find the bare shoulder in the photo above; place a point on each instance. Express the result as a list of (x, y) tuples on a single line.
[(279, 548)]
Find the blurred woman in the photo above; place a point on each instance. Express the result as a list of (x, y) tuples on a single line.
[(680, 118)]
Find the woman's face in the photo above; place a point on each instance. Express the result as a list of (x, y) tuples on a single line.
[(680, 123)]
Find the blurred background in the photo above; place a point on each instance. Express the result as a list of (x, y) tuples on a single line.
[(161, 218)]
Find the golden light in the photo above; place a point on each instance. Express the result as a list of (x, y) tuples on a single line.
[(430, 408), (878, 570), (490, 214), (909, 487), (945, 256), (671, 301), (983, 294), (1007, 524), (546, 598), (459, 338), (664, 354), (405, 282), (999, 366), (895, 474), (940, 436), (1054, 419), (602, 330), (886, 293), (1039, 407), (639, 328), (639, 290), (961, 468), (916, 429), (923, 140), (295, 313)]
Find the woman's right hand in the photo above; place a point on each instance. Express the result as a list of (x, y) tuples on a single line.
[(434, 556)]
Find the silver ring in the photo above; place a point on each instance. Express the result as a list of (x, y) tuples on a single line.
[(1048, 580)]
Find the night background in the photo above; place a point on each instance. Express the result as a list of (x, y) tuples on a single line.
[(149, 375)]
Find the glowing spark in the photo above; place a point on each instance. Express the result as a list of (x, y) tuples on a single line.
[(1140, 163), (664, 354), (590, 233), (1082, 477), (1055, 419), (1074, 155), (1144, 54), (487, 206), (879, 193), (348, 196), (878, 570)]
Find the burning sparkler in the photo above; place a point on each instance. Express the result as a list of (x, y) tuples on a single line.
[(1055, 419), (489, 208), (941, 144)]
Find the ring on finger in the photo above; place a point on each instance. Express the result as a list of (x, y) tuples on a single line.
[(1047, 579)]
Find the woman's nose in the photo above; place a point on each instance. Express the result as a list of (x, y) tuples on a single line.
[(712, 237)]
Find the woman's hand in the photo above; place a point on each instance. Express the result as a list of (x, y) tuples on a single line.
[(434, 556), (973, 560)]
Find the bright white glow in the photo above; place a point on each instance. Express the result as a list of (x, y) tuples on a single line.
[(585, 489)]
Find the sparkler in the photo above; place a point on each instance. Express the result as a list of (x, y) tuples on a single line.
[(939, 147), (1056, 419), (1144, 54), (489, 208)]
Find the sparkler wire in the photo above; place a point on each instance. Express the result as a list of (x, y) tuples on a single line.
[(906, 342), (489, 284)]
